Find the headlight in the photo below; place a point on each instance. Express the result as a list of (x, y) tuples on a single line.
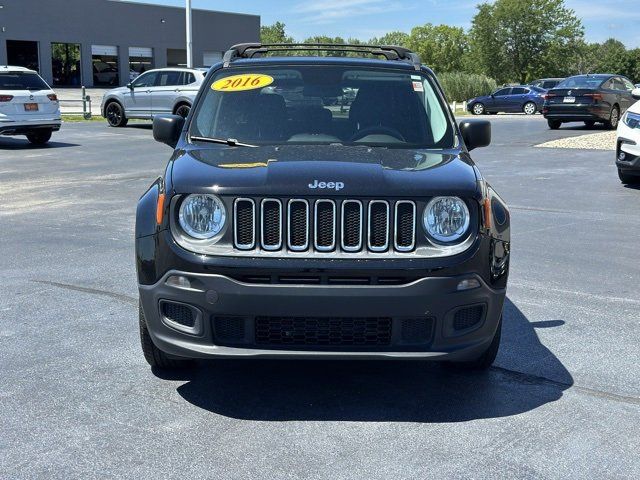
[(632, 120), (446, 219), (202, 216)]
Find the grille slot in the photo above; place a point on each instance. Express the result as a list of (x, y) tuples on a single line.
[(405, 226), (325, 225), (327, 332), (351, 225), (178, 313), (468, 317), (378, 234), (298, 225), (245, 223), (271, 224)]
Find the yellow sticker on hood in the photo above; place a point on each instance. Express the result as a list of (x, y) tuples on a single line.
[(238, 83)]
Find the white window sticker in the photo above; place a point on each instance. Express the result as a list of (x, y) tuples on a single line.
[(418, 87)]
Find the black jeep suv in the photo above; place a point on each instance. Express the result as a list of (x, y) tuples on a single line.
[(292, 223)]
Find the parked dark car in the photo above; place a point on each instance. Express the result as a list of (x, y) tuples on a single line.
[(546, 83), (284, 228), (598, 98), (517, 99)]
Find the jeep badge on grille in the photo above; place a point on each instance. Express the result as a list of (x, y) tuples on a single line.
[(330, 185)]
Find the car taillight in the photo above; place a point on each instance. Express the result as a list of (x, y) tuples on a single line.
[(6, 98), (53, 97), (596, 96), (547, 96)]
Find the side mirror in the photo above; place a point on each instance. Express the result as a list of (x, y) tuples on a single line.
[(476, 133), (167, 129), (130, 86), (635, 93)]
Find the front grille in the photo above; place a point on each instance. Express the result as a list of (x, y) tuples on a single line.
[(229, 329), (468, 317), (178, 313), (322, 332), (325, 225), (417, 330)]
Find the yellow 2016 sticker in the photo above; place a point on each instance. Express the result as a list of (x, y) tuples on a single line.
[(238, 83)]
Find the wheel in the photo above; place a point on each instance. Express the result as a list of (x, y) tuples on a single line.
[(554, 124), (152, 354), (530, 108), (478, 109), (614, 118), (589, 123), (40, 137), (183, 110), (114, 114), (628, 179), (484, 361)]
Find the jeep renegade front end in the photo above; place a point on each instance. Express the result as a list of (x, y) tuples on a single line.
[(321, 207)]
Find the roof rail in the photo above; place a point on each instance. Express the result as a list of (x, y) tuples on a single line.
[(390, 52)]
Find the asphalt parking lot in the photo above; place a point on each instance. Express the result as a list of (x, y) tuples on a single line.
[(79, 401)]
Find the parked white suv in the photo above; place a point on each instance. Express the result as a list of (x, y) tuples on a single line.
[(165, 90), (28, 106), (628, 144)]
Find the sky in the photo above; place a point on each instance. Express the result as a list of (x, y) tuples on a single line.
[(364, 19)]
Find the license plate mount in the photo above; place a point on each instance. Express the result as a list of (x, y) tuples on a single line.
[(569, 100), (31, 107)]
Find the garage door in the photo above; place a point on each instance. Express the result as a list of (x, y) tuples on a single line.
[(104, 50), (210, 58), (140, 52)]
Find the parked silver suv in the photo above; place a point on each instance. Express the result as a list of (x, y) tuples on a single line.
[(165, 90)]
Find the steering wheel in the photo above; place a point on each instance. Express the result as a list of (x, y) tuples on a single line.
[(392, 132)]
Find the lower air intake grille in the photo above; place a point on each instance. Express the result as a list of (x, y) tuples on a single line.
[(178, 313), (329, 332), (417, 330), (468, 317), (229, 329)]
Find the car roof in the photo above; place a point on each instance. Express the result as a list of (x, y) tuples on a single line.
[(300, 60), (12, 68), (179, 69)]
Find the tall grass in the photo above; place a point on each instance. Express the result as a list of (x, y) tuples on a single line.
[(459, 87)]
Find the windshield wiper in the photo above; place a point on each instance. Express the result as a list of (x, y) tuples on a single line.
[(232, 142)]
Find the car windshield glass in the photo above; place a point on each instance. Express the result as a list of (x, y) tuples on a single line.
[(581, 82), (323, 105), (22, 81)]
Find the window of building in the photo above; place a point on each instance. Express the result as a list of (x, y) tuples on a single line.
[(140, 60), (176, 57), (65, 62), (104, 61), (211, 58), (23, 54)]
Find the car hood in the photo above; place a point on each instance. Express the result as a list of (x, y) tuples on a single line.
[(350, 171), (635, 108), (116, 90)]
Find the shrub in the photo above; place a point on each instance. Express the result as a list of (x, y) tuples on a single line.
[(459, 87)]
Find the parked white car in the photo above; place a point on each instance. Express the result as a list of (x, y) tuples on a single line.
[(165, 90), (628, 144), (28, 106)]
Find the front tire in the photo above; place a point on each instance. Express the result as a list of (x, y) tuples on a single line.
[(114, 113), (627, 179), (554, 124), (530, 108), (152, 354), (183, 110), (484, 361), (478, 109), (614, 119), (39, 137)]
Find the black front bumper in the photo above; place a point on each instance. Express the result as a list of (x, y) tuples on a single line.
[(431, 301)]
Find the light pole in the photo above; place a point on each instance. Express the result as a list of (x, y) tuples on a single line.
[(189, 36)]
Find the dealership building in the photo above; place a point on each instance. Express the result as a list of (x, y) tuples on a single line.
[(109, 42)]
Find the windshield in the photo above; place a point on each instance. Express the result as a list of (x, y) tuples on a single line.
[(323, 105), (22, 81), (581, 82)]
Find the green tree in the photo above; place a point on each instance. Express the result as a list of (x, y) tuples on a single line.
[(397, 39), (522, 39), (326, 40), (441, 47), (275, 33)]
